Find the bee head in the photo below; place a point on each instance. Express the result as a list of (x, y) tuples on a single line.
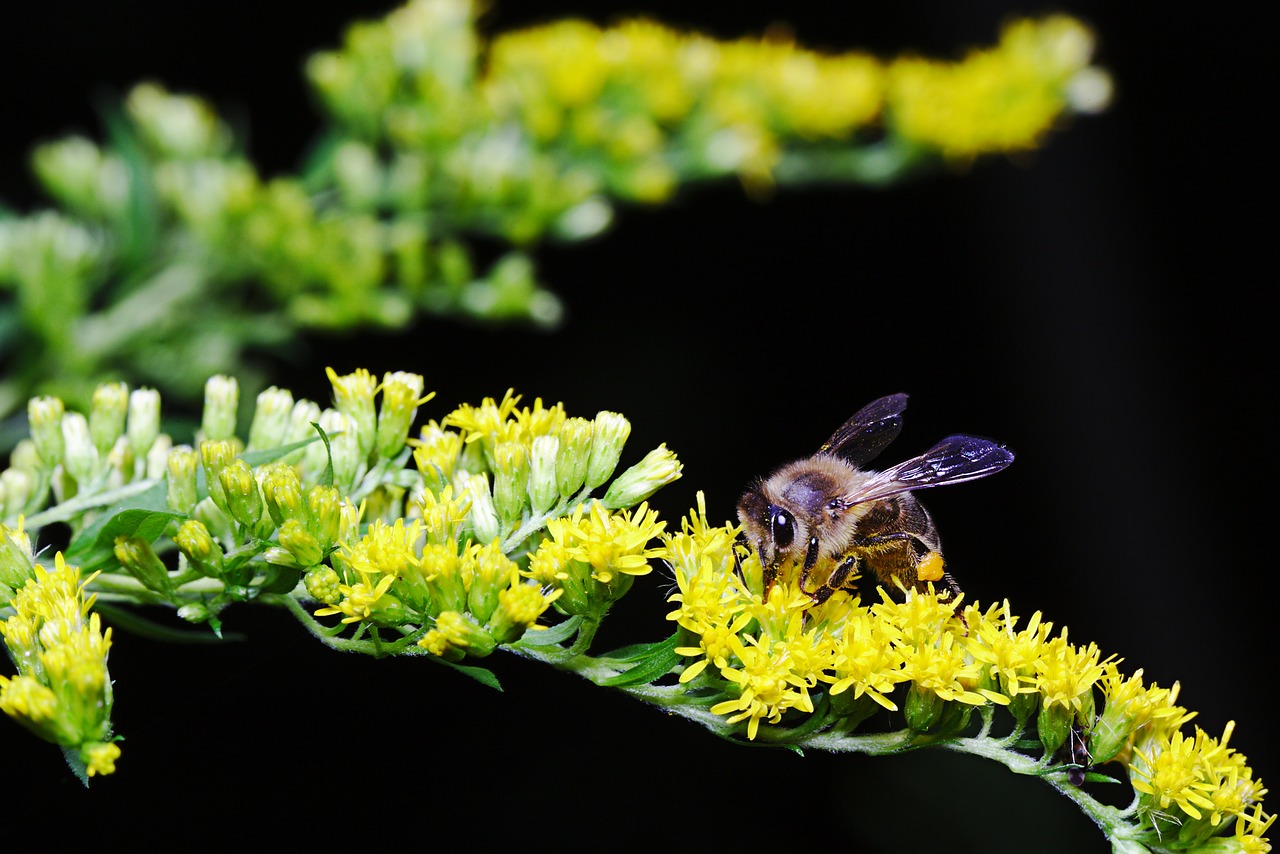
[(772, 529)]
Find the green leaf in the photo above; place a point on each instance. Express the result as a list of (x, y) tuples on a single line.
[(76, 764), (480, 674), (280, 579), (136, 624), (553, 634), (637, 651), (144, 515), (270, 455), (655, 662)]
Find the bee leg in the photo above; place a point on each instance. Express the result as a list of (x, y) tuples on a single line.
[(810, 561), (840, 576)]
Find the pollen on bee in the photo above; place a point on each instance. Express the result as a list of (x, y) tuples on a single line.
[(930, 567)]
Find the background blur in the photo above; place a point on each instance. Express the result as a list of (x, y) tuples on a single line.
[(1095, 305)]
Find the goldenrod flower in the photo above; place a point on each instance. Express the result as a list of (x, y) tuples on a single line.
[(62, 691), (610, 543), (769, 683)]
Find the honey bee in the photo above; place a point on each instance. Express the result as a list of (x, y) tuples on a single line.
[(834, 521)]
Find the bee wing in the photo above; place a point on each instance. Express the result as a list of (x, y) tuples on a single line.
[(869, 431), (953, 460)]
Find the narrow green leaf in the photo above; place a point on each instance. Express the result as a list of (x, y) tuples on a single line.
[(76, 764), (480, 674), (637, 651), (136, 624), (552, 635), (654, 664), (270, 455)]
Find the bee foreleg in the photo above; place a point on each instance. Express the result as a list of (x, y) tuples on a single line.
[(840, 575)]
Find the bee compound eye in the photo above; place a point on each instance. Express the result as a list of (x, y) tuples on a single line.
[(783, 528)]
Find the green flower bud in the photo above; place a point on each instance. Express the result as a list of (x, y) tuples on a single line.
[(484, 517), (510, 481), (610, 434), (202, 551), (282, 492), (323, 583), (215, 456), (120, 462), (270, 426), (1054, 724), (656, 470), (107, 414), (80, 457), (244, 500), (543, 491), (304, 414), (181, 466), (573, 455), (44, 414), (77, 173), (176, 126), (923, 708), (17, 561), (15, 487), (344, 446), (298, 541), (358, 175), (324, 515), (401, 397), (140, 560), (221, 398), (144, 419), (196, 612), (156, 463), (25, 457)]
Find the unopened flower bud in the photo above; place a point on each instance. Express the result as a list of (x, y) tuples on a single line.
[(244, 501), (215, 456), (323, 583), (510, 480), (610, 434), (221, 398), (201, 550), (271, 414), (156, 464), (140, 560), (15, 489), (281, 492), (573, 455), (298, 541), (107, 414), (484, 518), (324, 515), (543, 490), (80, 457), (44, 414), (656, 470), (923, 708), (344, 447), (144, 419), (181, 466)]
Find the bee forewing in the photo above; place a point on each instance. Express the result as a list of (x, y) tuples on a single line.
[(953, 460), (869, 431)]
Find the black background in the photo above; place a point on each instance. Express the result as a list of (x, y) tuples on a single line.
[(1096, 305)]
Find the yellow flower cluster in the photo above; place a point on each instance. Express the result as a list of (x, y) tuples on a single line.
[(998, 100), (770, 655), (62, 691)]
